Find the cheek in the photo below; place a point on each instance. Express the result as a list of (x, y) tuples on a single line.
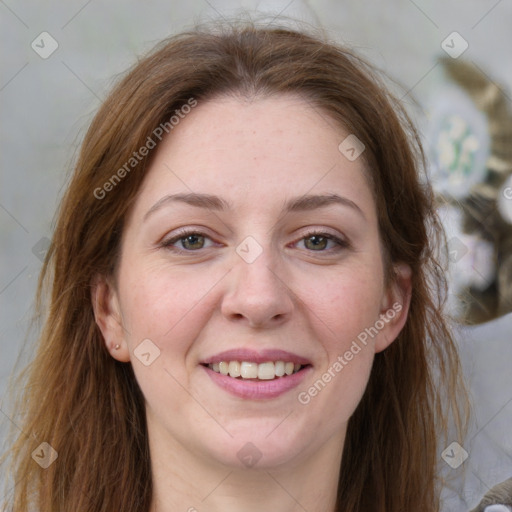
[(342, 308), (345, 303), (169, 308)]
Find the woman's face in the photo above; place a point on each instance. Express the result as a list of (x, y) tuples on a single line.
[(253, 243)]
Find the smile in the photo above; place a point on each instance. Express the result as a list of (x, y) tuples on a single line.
[(268, 370), (256, 374)]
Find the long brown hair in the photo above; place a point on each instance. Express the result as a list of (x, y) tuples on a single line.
[(88, 406)]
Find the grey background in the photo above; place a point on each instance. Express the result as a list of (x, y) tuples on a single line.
[(46, 105)]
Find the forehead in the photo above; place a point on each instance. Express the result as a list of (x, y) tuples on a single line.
[(267, 148)]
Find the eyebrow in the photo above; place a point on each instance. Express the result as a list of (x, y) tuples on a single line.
[(312, 202), (200, 200), (211, 202)]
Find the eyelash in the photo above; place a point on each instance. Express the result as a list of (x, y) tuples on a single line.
[(169, 244)]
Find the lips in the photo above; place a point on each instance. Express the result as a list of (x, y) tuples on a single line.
[(256, 375)]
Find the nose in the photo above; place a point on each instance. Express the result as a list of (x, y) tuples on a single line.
[(257, 294)]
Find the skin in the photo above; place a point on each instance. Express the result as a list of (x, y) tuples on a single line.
[(312, 300)]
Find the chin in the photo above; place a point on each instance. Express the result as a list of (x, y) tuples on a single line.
[(260, 448)]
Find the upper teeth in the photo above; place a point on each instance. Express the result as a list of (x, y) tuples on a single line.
[(250, 370)]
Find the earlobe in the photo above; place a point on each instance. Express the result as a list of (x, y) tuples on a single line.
[(107, 314), (395, 306)]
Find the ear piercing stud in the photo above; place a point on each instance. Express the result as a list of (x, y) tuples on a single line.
[(117, 346)]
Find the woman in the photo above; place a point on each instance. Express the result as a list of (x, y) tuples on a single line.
[(245, 304)]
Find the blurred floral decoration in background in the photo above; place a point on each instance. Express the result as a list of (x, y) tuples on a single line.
[(469, 149)]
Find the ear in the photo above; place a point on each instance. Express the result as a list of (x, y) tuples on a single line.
[(107, 314), (395, 306)]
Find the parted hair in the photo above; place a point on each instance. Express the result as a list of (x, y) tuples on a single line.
[(89, 407)]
